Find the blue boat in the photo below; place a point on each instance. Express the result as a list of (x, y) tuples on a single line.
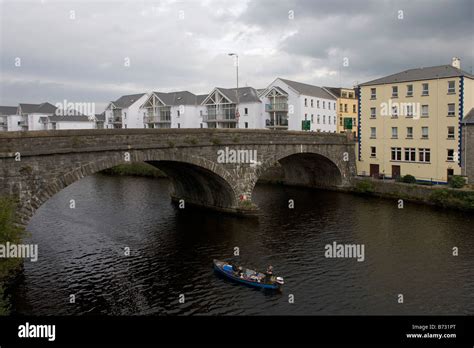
[(248, 276)]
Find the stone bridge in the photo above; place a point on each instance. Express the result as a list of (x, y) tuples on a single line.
[(36, 165)]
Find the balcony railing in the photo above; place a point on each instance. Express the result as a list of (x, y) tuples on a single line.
[(276, 107), (158, 119), (220, 117), (117, 120), (272, 124)]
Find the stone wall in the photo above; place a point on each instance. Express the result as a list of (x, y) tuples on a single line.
[(52, 160)]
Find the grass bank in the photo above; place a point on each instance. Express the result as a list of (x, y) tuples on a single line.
[(9, 232), (461, 199), (135, 169)]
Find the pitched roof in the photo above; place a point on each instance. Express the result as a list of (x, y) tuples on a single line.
[(433, 72), (309, 90), (43, 108), (469, 118), (8, 110), (100, 117), (246, 94), (126, 100), (200, 98)]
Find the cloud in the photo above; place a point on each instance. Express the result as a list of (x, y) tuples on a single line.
[(77, 50)]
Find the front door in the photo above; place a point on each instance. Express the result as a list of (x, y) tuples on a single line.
[(396, 172), (374, 170), (450, 174)]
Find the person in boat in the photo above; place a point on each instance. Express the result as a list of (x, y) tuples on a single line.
[(240, 271), (269, 271)]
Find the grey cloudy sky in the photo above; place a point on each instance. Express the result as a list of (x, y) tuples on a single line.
[(182, 45)]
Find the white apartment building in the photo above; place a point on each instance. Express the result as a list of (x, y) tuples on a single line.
[(298, 106), (222, 111), (173, 110), (44, 116), (125, 112)]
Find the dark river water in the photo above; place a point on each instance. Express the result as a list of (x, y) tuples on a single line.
[(81, 251)]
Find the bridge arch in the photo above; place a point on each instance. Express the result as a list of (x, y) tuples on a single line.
[(194, 179), (303, 168)]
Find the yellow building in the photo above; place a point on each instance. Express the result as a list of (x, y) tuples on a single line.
[(347, 102), (410, 123)]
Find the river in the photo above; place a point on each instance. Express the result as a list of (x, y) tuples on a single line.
[(82, 253)]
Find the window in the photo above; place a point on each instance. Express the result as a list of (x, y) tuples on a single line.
[(334, 120), (373, 151), (201, 125), (345, 107), (246, 125), (312, 104), (373, 132), (334, 104), (373, 93), (451, 87), (394, 91), (409, 90), (305, 117), (305, 102), (424, 155), (409, 110), (451, 133), (340, 122), (450, 155), (373, 112), (324, 119), (179, 125), (409, 132), (317, 104), (424, 132), (425, 90), (340, 107), (329, 105), (451, 111), (312, 119), (200, 113), (319, 119), (246, 111), (396, 153), (179, 113), (324, 105), (410, 154), (394, 111), (329, 119), (394, 132), (354, 109), (424, 111)]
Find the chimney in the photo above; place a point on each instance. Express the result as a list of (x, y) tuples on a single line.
[(456, 62)]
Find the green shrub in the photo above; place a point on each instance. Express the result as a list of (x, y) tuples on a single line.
[(453, 199), (9, 232), (409, 179), (457, 181), (134, 169), (365, 186)]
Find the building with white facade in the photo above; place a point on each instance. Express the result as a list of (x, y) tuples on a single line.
[(125, 112), (222, 111), (44, 116), (298, 106), (181, 109)]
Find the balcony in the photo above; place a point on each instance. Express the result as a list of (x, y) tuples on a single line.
[(158, 119), (117, 120), (276, 107), (226, 116), (282, 124)]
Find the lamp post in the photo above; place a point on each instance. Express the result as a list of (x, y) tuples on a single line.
[(237, 114)]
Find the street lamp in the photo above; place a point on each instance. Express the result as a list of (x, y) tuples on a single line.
[(237, 114)]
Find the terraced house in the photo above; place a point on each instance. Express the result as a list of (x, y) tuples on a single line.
[(44, 116), (125, 112), (347, 106), (233, 108), (298, 106), (173, 110), (411, 122)]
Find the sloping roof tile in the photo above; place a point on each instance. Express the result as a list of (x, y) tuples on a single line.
[(433, 72), (8, 110), (309, 90)]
